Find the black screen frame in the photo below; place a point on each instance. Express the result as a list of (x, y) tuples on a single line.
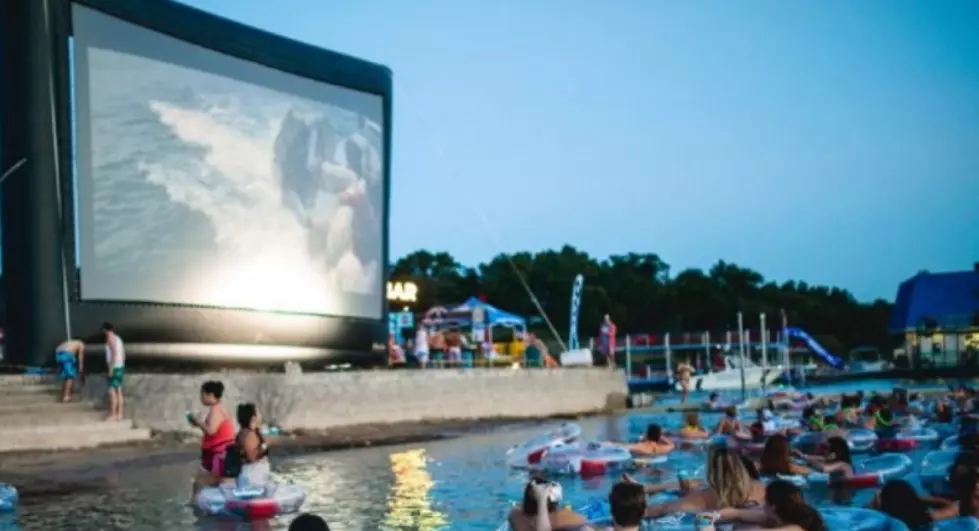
[(153, 329)]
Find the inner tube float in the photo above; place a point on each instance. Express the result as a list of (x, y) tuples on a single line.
[(854, 519), (811, 442), (599, 514), (750, 447), (585, 460), (858, 439), (872, 472), (643, 462), (907, 440), (950, 443), (861, 439), (259, 503), (8, 497), (956, 524), (934, 472), (530, 452)]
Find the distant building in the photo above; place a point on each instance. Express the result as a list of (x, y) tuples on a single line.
[(938, 315)]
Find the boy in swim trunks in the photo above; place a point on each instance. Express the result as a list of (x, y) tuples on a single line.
[(70, 357), (115, 361)]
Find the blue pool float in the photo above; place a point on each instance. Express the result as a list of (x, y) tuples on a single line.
[(855, 519), (8, 497), (837, 519), (957, 524), (950, 443), (934, 471)]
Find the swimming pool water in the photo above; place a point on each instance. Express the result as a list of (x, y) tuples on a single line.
[(853, 386), (461, 484)]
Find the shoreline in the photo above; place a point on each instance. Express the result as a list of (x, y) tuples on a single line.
[(40, 475)]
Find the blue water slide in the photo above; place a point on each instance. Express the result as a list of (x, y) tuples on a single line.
[(823, 354)]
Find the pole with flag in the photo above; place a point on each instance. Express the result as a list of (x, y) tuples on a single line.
[(764, 355), (744, 389)]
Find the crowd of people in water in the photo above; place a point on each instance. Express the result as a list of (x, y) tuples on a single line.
[(754, 489)]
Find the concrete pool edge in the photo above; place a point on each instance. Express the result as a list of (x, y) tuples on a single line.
[(324, 401)]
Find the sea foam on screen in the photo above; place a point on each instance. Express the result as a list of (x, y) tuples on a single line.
[(203, 189)]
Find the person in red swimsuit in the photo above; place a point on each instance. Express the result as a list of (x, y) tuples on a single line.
[(219, 435)]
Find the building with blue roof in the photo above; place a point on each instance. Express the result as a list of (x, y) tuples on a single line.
[(938, 314)]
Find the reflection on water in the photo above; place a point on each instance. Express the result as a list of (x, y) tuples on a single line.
[(459, 484), (409, 506)]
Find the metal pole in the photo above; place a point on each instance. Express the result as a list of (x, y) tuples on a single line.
[(669, 360), (764, 355), (710, 362), (628, 356), (744, 390)]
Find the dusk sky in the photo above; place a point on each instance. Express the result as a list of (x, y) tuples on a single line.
[(835, 142)]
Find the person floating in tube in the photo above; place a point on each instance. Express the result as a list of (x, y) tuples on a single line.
[(540, 509), (248, 460), (607, 340)]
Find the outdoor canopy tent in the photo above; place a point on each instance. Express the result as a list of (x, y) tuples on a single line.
[(463, 314)]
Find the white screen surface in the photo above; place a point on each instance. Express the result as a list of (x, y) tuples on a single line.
[(207, 180)]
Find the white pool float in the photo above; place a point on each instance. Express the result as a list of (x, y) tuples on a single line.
[(530, 452), (251, 503), (861, 439), (585, 459), (907, 440)]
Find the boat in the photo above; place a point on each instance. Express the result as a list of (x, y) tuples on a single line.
[(868, 359), (730, 377)]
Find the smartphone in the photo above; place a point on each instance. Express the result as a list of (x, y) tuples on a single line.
[(190, 418)]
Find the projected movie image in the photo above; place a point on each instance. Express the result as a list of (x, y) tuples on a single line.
[(209, 190)]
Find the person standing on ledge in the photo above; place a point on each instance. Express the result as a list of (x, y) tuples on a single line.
[(683, 373), (115, 360), (70, 357)]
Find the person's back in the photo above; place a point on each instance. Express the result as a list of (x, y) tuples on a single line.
[(308, 522)]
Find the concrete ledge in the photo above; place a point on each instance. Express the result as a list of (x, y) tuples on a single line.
[(318, 401)]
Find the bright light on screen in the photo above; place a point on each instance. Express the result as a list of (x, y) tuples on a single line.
[(207, 180)]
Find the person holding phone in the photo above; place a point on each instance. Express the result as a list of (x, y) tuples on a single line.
[(539, 509), (219, 435)]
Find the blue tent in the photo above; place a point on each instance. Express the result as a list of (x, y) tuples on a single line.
[(493, 316), (949, 300)]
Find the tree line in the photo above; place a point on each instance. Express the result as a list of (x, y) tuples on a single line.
[(642, 295)]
